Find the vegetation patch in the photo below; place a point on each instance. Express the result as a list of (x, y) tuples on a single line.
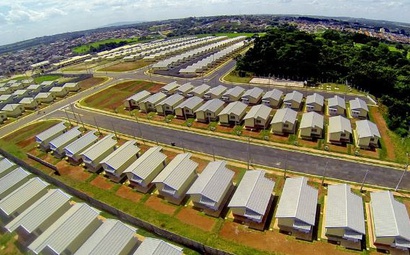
[(103, 45), (125, 66), (42, 78)]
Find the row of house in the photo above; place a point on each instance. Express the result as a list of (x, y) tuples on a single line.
[(48, 221)]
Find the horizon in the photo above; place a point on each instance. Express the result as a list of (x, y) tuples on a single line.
[(22, 20)]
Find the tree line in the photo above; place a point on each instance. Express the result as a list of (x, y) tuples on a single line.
[(373, 65)]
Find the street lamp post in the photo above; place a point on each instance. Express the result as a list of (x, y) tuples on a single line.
[(404, 172)]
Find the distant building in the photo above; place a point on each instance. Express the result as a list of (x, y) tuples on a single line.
[(284, 121), (336, 106), (273, 98), (232, 114), (311, 125), (252, 96), (209, 110), (293, 100), (368, 134), (258, 117), (358, 108), (315, 102), (339, 130)]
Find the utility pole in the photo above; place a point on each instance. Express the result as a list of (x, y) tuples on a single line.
[(404, 172), (324, 173), (98, 128), (364, 179), (249, 153), (115, 133), (69, 121), (213, 152)]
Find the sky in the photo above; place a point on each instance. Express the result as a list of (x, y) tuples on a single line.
[(26, 19)]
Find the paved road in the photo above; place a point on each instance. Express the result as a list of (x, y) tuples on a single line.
[(296, 161)]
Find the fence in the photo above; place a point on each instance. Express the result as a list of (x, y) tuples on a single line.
[(192, 244)]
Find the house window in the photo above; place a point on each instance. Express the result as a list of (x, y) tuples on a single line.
[(208, 114), (187, 110), (372, 139), (232, 117), (167, 107), (314, 130), (258, 121), (286, 125), (343, 135)]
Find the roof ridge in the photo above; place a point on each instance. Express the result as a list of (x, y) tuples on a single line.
[(261, 175), (302, 182), (392, 201), (221, 165), (145, 156)]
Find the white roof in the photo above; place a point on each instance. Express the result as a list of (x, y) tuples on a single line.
[(50, 132), (336, 101), (358, 103), (275, 94), (170, 86), (339, 124), (217, 91), (172, 100), (294, 96), (14, 177), (311, 119), (185, 87), (121, 155), (260, 111), (236, 108), (235, 91), (65, 138), (177, 171), (344, 209), (254, 192), (298, 200), (191, 103), (10, 107), (145, 164), (155, 98), (284, 115), (211, 105), (100, 147), (151, 246), (27, 100), (200, 89), (43, 95), (315, 98), (253, 92), (139, 96), (80, 144), (213, 181), (366, 128), (5, 166)]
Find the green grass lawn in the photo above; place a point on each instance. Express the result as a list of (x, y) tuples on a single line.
[(86, 47), (233, 77), (42, 78)]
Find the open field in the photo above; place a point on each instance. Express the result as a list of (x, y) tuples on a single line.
[(86, 47), (42, 78), (8, 244), (91, 82), (85, 66), (125, 66)]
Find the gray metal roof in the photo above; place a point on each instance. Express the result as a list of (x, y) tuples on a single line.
[(366, 128), (191, 103), (275, 94), (80, 144), (139, 96), (201, 89), (315, 98), (260, 111), (66, 229), (155, 98), (11, 107), (339, 124), (336, 101), (14, 177), (211, 105), (50, 132), (390, 217), (311, 119), (294, 96), (5, 166), (27, 100), (152, 246), (344, 209), (172, 100), (22, 195), (298, 200), (145, 164), (254, 192), (177, 171), (65, 138), (235, 91), (236, 108), (213, 181), (358, 103), (185, 87), (170, 86), (253, 93), (70, 85), (121, 155), (43, 95), (40, 211), (100, 147), (217, 91), (57, 89), (110, 238), (284, 115)]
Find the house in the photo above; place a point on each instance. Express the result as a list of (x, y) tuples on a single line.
[(29, 103), (12, 180), (273, 98), (367, 134), (5, 91), (58, 91), (339, 130), (6, 166), (21, 198), (233, 94), (112, 237), (315, 103), (13, 110), (184, 89), (258, 117), (210, 192), (209, 111), (72, 86), (390, 221), (45, 97), (311, 125), (47, 85), (148, 104), (187, 108), (39, 216), (293, 100), (358, 108), (58, 144), (215, 92), (296, 211), (232, 114), (252, 96), (19, 94), (134, 100), (152, 246), (43, 139), (344, 217), (69, 232), (73, 150), (17, 85), (284, 121), (199, 91), (173, 182), (6, 99), (170, 88), (34, 89), (93, 155), (167, 106), (336, 106), (252, 199), (115, 163), (3, 117)]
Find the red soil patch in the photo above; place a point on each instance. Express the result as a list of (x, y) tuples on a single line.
[(27, 142), (155, 88), (159, 205), (74, 172), (280, 138), (194, 218), (384, 131), (307, 143), (224, 129), (370, 153), (170, 155), (178, 121), (274, 241), (200, 125), (90, 82), (248, 133), (201, 164), (128, 193), (102, 183), (337, 148)]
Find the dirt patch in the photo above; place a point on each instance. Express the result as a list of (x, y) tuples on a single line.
[(200, 125), (90, 82), (102, 183), (274, 241), (128, 193), (307, 143), (125, 66), (155, 88), (337, 148), (194, 218), (74, 172), (170, 155), (370, 153), (248, 133), (280, 138), (26, 142), (381, 124), (160, 205), (201, 164)]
